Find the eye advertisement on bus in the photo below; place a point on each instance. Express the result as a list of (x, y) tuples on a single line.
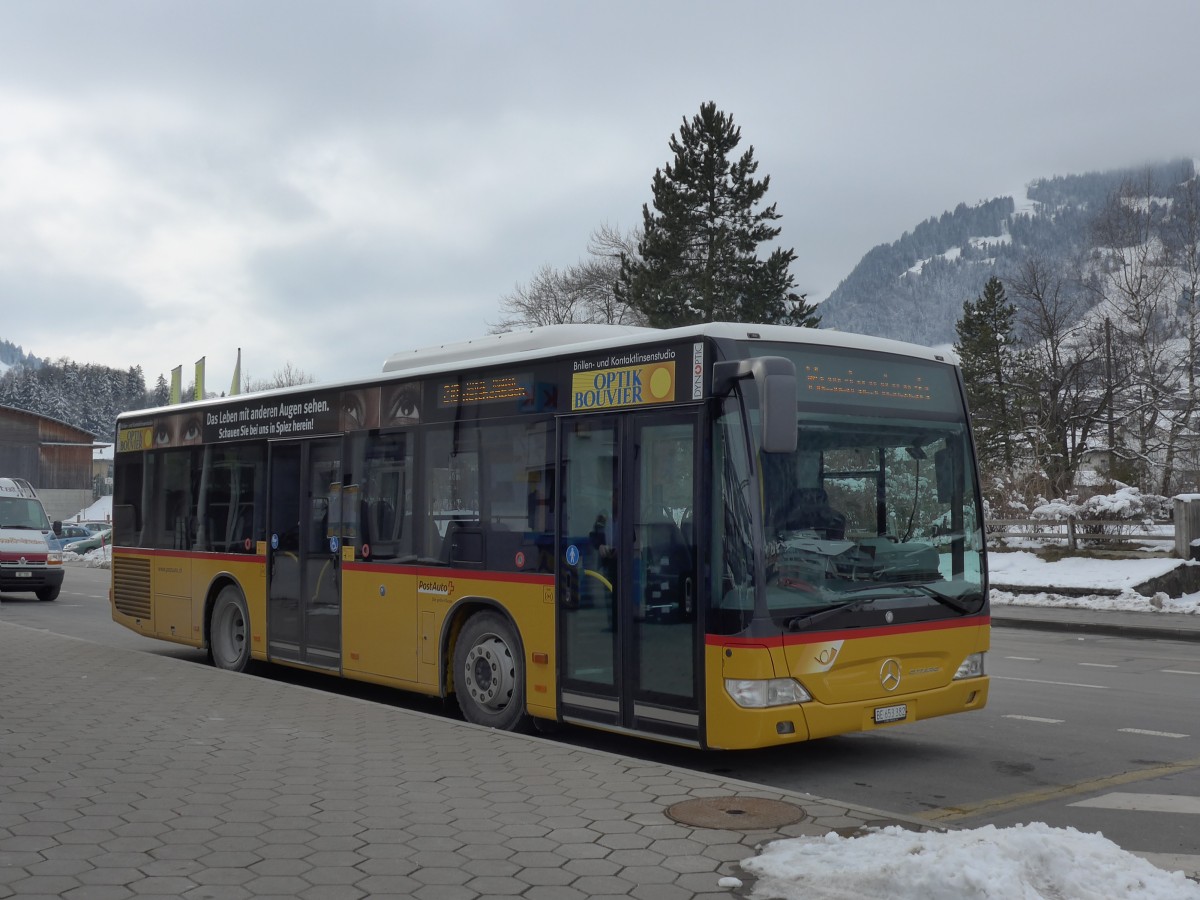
[(625, 379)]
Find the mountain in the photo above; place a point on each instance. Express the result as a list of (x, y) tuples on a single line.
[(913, 289), (12, 356)]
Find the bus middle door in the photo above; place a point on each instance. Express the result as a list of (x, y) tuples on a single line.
[(627, 573)]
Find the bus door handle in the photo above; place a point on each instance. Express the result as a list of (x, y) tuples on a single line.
[(688, 600)]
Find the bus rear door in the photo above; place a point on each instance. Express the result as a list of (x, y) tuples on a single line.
[(304, 602)]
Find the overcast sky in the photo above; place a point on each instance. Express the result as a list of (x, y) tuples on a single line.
[(327, 183)]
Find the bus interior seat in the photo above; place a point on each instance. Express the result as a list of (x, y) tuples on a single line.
[(501, 545), (668, 559), (808, 509), (241, 529), (463, 544), (125, 523)]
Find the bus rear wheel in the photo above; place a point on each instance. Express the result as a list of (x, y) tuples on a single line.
[(489, 673), (229, 631)]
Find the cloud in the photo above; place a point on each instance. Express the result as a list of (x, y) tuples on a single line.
[(274, 175)]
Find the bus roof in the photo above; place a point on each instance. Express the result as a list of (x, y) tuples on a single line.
[(548, 341), (552, 340)]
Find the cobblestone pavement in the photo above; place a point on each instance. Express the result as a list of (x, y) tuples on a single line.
[(126, 774)]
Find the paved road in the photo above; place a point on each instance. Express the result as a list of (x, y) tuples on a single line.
[(1076, 717), (124, 773)]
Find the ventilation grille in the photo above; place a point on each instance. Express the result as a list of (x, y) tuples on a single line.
[(131, 586)]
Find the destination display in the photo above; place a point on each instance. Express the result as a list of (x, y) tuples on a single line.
[(847, 378)]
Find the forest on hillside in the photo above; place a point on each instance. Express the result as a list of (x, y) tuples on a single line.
[(86, 395), (914, 288)]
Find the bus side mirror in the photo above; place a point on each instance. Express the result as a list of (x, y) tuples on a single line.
[(775, 378)]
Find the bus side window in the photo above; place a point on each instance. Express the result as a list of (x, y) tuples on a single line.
[(450, 475), (516, 494), (385, 506), (125, 524), (127, 508)]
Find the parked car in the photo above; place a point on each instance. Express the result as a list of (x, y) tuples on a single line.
[(98, 539), (69, 534)]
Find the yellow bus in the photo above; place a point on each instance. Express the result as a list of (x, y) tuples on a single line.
[(722, 536)]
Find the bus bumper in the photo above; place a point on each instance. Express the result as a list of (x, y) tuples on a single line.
[(731, 727)]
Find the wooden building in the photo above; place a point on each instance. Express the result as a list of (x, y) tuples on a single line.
[(56, 458)]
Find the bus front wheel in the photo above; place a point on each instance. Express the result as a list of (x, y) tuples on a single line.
[(489, 673), (229, 631)]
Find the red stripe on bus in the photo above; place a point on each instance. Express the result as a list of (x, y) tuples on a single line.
[(190, 554), (439, 572), (377, 568)]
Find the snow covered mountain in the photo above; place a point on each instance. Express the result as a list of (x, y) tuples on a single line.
[(913, 289)]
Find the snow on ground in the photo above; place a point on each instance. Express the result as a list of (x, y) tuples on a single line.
[(1024, 569), (100, 511), (1025, 862)]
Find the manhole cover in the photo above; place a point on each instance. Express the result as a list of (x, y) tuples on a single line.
[(737, 813)]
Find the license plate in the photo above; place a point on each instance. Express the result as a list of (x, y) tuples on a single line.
[(24, 574), (891, 713)]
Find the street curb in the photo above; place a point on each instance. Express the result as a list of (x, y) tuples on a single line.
[(1153, 632)]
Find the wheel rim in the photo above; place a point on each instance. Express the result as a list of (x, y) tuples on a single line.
[(230, 637), (490, 673)]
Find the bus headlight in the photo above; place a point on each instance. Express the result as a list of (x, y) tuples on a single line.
[(759, 693), (972, 667)]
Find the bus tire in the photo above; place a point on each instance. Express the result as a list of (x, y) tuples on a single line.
[(48, 593), (229, 631), (489, 673)]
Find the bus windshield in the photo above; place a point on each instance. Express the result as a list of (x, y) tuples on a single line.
[(875, 510)]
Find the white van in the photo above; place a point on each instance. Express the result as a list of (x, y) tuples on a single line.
[(26, 561)]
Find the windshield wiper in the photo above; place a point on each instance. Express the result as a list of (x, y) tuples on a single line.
[(795, 623), (954, 603)]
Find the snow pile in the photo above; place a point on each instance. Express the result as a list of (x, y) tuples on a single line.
[(1125, 504), (100, 558), (1022, 569), (1025, 862)]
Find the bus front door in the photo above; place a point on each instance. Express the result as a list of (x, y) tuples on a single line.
[(627, 573), (304, 621)]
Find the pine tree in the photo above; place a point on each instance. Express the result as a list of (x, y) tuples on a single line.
[(990, 360), (699, 250), (162, 392)]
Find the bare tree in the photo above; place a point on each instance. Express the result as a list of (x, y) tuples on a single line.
[(1062, 404), (288, 376), (1135, 283), (1181, 236), (580, 293)]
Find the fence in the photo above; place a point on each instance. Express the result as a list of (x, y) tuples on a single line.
[(1076, 531)]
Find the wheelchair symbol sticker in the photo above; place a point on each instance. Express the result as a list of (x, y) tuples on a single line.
[(275, 542), (333, 544), (572, 555)]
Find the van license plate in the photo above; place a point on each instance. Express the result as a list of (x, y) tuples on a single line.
[(24, 574), (891, 713)]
